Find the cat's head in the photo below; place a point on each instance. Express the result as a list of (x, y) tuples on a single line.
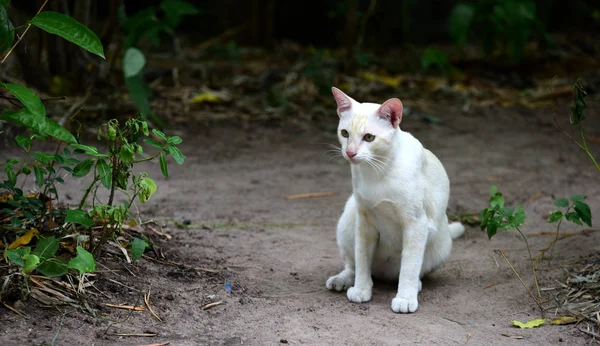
[(366, 130)]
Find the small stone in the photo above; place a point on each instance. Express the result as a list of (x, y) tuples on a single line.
[(283, 341), (187, 222)]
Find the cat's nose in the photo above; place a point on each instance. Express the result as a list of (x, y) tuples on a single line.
[(350, 154)]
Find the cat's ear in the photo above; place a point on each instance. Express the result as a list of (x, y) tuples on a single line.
[(391, 110), (344, 102)]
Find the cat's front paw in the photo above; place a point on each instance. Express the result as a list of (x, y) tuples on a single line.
[(339, 283), (357, 295), (405, 305)]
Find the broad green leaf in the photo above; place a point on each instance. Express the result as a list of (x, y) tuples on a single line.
[(82, 168), (84, 261), (159, 134), (517, 219), (584, 212), (578, 105), (28, 98), (16, 255), (555, 216), (30, 262), (46, 247), (493, 190), (460, 22), (104, 172), (153, 143), (22, 141), (90, 150), (12, 177), (576, 198), (163, 165), (127, 153), (140, 94), (44, 158), (176, 153), (7, 30), (497, 200), (562, 203), (174, 140), (133, 62), (175, 9), (79, 217), (573, 217), (43, 125), (52, 267), (147, 189), (492, 229), (39, 175), (69, 29), (529, 324), (138, 247)]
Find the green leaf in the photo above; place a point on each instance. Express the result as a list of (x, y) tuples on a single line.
[(562, 203), (30, 263), (159, 134), (12, 177), (153, 143), (517, 219), (69, 29), (460, 22), (176, 153), (584, 212), (147, 189), (46, 247), (44, 158), (576, 198), (104, 172), (492, 229), (22, 141), (82, 168), (16, 255), (28, 98), (84, 262), (39, 175), (138, 247), (140, 94), (536, 322), (133, 62), (497, 201), (7, 30), (174, 140), (578, 105), (43, 125), (53, 267), (127, 153), (555, 216), (88, 149), (175, 9), (574, 218), (163, 165), (79, 217)]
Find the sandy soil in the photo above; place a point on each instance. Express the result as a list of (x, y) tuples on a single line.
[(277, 253)]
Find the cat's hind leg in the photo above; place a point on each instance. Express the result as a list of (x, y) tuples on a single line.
[(345, 239)]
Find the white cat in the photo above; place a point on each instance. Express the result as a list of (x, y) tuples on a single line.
[(397, 213)]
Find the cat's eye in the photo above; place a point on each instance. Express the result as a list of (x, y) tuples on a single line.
[(345, 133), (369, 137)]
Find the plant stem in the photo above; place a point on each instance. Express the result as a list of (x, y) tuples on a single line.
[(533, 264), (522, 282), (87, 191), (585, 148), (22, 35)]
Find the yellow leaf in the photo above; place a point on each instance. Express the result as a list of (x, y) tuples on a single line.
[(206, 97), (536, 322), (6, 197), (132, 223), (24, 239), (565, 320), (391, 81)]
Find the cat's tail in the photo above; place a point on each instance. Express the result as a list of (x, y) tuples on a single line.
[(456, 229)]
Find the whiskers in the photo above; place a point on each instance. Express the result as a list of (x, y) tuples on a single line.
[(375, 162), (334, 152)]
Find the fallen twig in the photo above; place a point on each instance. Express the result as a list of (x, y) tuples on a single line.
[(126, 307), (133, 334), (211, 305), (147, 301), (310, 195)]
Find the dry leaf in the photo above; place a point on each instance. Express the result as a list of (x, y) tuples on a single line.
[(536, 322), (518, 337), (391, 81), (310, 195), (206, 97), (24, 239), (565, 320)]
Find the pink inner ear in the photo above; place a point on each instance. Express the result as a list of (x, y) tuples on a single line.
[(391, 110), (344, 102)]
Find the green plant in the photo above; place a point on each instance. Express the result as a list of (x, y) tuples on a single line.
[(498, 217), (148, 25), (577, 116), (435, 58), (507, 25)]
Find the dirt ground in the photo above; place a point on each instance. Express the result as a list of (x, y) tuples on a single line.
[(278, 253)]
